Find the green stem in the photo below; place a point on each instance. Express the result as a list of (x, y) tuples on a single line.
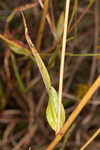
[(84, 54), (20, 82)]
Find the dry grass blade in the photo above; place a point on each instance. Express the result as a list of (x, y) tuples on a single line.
[(75, 113), (21, 8), (62, 64), (16, 45), (30, 111), (91, 139), (50, 21), (72, 27), (96, 41), (42, 24), (81, 16)]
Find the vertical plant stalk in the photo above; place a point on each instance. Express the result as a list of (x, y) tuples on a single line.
[(40, 64), (42, 24), (96, 40), (62, 64), (75, 113), (91, 139), (50, 21), (74, 11)]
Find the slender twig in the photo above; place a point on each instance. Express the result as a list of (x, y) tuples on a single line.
[(82, 15), (50, 20), (96, 41), (91, 139), (83, 54), (21, 8), (42, 24), (75, 113), (62, 64)]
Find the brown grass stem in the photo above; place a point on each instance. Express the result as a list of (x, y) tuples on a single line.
[(91, 139), (42, 24), (62, 64), (21, 8)]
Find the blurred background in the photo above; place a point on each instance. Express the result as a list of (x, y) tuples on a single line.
[(23, 96)]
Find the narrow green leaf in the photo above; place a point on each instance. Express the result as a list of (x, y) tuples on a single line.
[(83, 54), (74, 11), (10, 17), (42, 68), (20, 82), (60, 25), (19, 50), (52, 110), (91, 2), (51, 62)]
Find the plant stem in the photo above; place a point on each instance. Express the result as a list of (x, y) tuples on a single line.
[(42, 24), (40, 63), (91, 139), (62, 65), (75, 113)]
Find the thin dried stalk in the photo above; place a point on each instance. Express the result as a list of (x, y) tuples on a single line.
[(91, 139), (96, 41), (62, 64), (50, 21), (21, 8), (42, 24)]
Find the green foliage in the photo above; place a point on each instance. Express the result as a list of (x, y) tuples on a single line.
[(52, 110), (60, 25), (59, 31), (20, 82), (19, 50), (62, 3)]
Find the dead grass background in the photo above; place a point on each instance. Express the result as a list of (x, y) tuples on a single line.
[(23, 122)]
